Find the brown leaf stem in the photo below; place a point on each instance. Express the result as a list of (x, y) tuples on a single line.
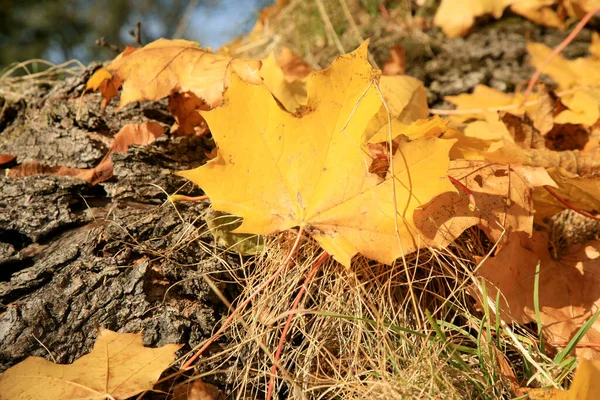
[(472, 203)]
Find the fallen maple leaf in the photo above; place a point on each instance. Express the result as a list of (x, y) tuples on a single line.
[(456, 17), (118, 367), (569, 287), (311, 170), (583, 71), (539, 11), (164, 66), (503, 197)]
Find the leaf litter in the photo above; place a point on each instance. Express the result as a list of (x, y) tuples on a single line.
[(302, 157)]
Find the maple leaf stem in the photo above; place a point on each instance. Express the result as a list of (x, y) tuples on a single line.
[(290, 317), (557, 51), (243, 305), (472, 203), (569, 205), (182, 197)]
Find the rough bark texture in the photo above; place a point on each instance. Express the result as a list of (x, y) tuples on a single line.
[(75, 257)]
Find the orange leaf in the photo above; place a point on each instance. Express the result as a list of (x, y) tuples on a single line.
[(163, 66), (569, 287), (503, 196)]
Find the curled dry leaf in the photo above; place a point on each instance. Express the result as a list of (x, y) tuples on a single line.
[(311, 170), (130, 134), (197, 390), (6, 158), (118, 367), (569, 287), (503, 196)]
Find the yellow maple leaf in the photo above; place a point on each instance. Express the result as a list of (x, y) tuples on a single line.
[(118, 367), (455, 17), (311, 170), (163, 66), (539, 11), (584, 71)]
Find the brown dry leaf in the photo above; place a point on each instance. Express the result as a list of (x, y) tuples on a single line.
[(6, 158), (569, 288), (456, 17), (503, 196), (164, 66), (184, 107), (118, 366), (522, 131), (396, 64), (585, 386), (130, 134), (136, 134), (197, 390), (566, 73), (293, 66), (311, 170)]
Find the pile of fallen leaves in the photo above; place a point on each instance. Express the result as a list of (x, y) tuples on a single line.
[(356, 161)]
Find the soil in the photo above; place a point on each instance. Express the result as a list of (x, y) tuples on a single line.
[(74, 257)]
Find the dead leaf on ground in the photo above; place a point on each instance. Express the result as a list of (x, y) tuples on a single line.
[(197, 390), (311, 170), (503, 196), (6, 158), (456, 17), (583, 71), (163, 66), (130, 134), (118, 366), (396, 64), (569, 288)]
